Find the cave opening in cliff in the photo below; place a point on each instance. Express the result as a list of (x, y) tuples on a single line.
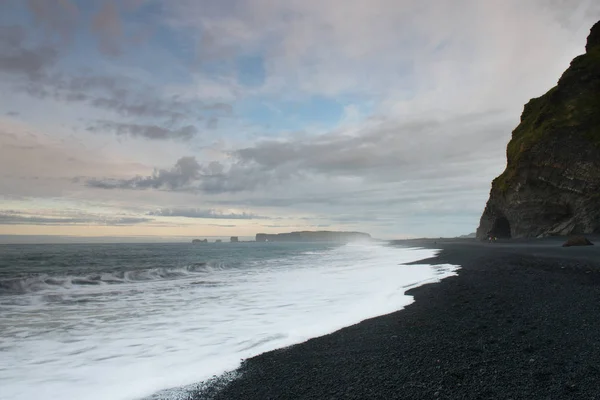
[(501, 228)]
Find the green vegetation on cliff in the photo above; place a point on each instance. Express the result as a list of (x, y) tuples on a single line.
[(571, 107), (551, 184)]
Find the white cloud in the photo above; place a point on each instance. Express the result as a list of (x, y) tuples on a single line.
[(431, 93), (446, 55)]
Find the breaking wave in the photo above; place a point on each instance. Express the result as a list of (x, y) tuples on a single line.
[(167, 322), (45, 282)]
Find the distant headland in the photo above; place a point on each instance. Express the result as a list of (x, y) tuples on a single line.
[(312, 236), (303, 236)]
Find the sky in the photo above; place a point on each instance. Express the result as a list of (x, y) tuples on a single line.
[(195, 118)]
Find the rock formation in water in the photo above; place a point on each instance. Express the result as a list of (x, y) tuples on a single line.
[(551, 185), (318, 236)]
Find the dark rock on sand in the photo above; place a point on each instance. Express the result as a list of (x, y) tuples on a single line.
[(577, 241), (551, 185)]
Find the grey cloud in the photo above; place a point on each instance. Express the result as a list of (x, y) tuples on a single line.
[(128, 107), (32, 67), (13, 113), (427, 150), (56, 16), (125, 97), (16, 218), (212, 123), (86, 82), (388, 151), (105, 22), (16, 57), (296, 226), (107, 25), (240, 177), (424, 164), (153, 132), (313, 46), (121, 95), (219, 107), (189, 175), (127, 221), (185, 172), (148, 105), (211, 47), (376, 198), (202, 214)]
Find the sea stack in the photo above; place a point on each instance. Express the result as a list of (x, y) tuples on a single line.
[(551, 184)]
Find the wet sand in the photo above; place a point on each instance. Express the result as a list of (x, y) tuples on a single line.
[(520, 321)]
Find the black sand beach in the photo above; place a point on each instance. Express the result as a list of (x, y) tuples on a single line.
[(520, 321)]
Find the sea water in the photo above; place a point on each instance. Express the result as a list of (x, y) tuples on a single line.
[(124, 321)]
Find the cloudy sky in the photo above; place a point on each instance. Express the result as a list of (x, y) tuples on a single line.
[(231, 117)]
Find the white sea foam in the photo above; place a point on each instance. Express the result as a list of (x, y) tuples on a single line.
[(132, 339), (47, 283)]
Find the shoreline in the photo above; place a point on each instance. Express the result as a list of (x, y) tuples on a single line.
[(520, 320)]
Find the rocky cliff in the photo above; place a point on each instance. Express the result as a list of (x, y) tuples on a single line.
[(551, 185)]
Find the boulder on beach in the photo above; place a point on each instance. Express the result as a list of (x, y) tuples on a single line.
[(577, 241)]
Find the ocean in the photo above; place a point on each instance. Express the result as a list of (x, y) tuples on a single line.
[(128, 321)]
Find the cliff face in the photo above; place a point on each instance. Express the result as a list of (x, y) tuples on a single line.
[(551, 185)]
